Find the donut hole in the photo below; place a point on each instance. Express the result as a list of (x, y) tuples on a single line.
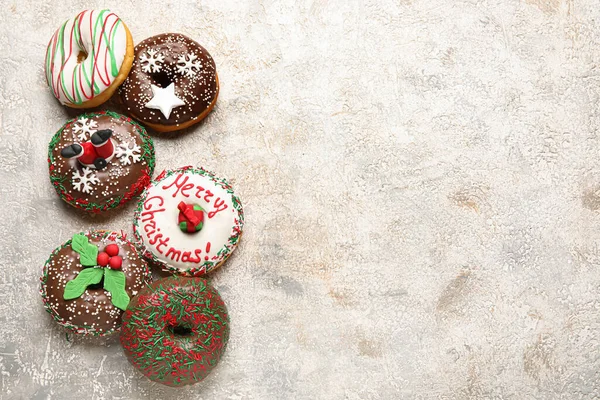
[(81, 56), (161, 79), (180, 330), (96, 286)]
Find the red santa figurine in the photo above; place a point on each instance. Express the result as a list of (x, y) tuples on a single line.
[(94, 154)]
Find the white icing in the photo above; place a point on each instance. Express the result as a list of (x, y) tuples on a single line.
[(84, 180), (216, 229), (128, 155), (151, 61), (187, 66), (84, 128), (101, 35), (164, 99)]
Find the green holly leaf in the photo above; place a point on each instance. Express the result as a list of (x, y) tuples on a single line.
[(114, 282), (88, 253), (87, 277)]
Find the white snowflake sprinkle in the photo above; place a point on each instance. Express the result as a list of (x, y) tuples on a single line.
[(128, 155), (84, 180), (187, 66), (151, 61), (84, 128)]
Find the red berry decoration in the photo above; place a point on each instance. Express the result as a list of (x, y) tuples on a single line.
[(102, 259), (115, 262), (112, 250)]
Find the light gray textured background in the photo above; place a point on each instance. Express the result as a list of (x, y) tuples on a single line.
[(422, 190)]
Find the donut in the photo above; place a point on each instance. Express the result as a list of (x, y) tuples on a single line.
[(173, 83), (88, 57), (99, 161), (88, 281), (188, 222), (176, 330)]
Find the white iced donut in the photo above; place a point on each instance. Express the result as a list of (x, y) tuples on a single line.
[(188, 221), (88, 57)]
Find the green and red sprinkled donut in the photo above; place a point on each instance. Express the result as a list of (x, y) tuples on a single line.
[(175, 330)]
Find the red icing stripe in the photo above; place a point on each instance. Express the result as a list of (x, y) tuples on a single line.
[(64, 61), (81, 69), (53, 41), (107, 83), (71, 47), (66, 58), (108, 44), (94, 66)]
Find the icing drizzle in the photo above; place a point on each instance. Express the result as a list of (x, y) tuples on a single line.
[(99, 34)]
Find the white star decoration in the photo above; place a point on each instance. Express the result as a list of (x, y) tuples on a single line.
[(164, 99)]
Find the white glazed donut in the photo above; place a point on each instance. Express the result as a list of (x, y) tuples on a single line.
[(88, 57), (163, 230)]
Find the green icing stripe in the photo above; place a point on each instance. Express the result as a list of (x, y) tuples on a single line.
[(62, 77), (114, 69), (76, 85), (49, 61), (87, 78), (59, 45), (79, 66), (95, 35)]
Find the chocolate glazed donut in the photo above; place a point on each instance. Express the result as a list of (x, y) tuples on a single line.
[(173, 83), (176, 330), (87, 282)]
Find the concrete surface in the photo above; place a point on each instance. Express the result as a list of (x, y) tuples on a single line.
[(422, 190)]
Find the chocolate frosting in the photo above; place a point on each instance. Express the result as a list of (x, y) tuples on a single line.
[(93, 312), (176, 59)]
